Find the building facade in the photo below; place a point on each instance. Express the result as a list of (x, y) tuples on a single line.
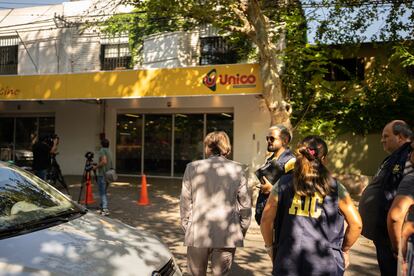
[(156, 119), (59, 77), (60, 74)]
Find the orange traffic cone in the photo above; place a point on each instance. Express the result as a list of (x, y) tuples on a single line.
[(88, 192), (143, 199)]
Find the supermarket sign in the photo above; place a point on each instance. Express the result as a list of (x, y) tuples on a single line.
[(234, 79)]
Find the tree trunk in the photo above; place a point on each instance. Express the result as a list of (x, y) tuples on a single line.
[(264, 36), (273, 92)]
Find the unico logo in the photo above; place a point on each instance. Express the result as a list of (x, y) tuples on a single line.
[(238, 81), (210, 80)]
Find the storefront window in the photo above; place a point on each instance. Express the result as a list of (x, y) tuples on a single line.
[(6, 138), (46, 126), (157, 149), (188, 140), (129, 143), (26, 129), (17, 135), (159, 156)]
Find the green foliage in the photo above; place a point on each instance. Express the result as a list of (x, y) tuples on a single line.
[(386, 98), (405, 54), (158, 16), (330, 108), (356, 21), (314, 100), (319, 106)]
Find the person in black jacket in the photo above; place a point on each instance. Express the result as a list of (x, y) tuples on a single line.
[(280, 162), (42, 151), (377, 198), (400, 219)]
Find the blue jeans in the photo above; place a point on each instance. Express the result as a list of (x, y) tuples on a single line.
[(102, 192), (41, 174)]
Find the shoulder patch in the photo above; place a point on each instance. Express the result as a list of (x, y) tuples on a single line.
[(290, 165)]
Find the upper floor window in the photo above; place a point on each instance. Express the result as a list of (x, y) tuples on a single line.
[(215, 50), (346, 69), (8, 55), (115, 57)]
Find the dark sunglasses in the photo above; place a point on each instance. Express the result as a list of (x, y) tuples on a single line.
[(271, 139)]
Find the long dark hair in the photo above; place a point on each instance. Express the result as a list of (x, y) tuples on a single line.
[(310, 174)]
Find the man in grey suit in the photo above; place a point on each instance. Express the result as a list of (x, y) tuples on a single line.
[(215, 207)]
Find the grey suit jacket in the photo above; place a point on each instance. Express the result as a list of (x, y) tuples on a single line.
[(215, 205)]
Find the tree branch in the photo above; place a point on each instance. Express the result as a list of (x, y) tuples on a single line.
[(247, 27)]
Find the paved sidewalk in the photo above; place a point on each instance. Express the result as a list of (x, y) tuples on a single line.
[(161, 217)]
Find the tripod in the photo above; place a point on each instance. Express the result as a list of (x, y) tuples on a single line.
[(54, 174), (87, 181)]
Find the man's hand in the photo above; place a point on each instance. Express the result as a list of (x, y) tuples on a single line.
[(269, 251), (266, 187), (346, 258)]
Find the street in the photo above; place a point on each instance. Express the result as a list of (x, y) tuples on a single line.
[(161, 217)]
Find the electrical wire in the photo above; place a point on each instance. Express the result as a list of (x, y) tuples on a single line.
[(50, 23), (30, 4)]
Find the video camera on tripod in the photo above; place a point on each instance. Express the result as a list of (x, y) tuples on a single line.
[(50, 140), (89, 164), (87, 178)]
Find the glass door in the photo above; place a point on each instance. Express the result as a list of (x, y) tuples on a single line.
[(26, 129), (163, 144), (25, 136), (157, 145), (6, 138), (129, 143), (188, 140)]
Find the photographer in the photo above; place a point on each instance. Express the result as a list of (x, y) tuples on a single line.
[(104, 164), (280, 162), (42, 152)]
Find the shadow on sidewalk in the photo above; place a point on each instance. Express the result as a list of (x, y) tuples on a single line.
[(161, 218)]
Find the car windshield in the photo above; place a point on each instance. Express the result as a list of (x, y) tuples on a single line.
[(27, 202)]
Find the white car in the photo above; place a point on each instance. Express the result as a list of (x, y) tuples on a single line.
[(42, 232)]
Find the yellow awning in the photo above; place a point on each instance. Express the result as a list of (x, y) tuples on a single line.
[(190, 81)]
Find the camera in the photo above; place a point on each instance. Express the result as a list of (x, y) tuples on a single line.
[(89, 156), (89, 161), (271, 170), (48, 139)]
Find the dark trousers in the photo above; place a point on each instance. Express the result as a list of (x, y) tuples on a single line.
[(41, 174), (386, 260)]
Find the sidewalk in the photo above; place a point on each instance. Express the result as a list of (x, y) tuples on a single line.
[(161, 217)]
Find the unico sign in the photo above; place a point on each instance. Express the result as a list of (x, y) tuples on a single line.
[(211, 79)]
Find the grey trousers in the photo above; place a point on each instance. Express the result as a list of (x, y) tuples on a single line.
[(221, 260)]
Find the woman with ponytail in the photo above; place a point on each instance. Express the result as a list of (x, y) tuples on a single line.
[(303, 221)]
